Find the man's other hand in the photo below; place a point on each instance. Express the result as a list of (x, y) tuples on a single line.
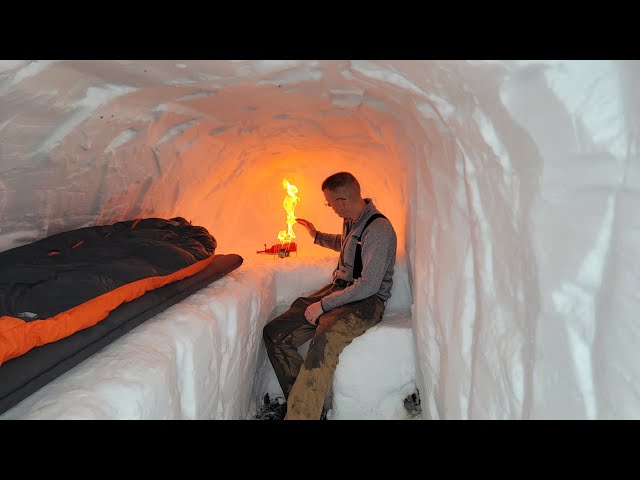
[(312, 312)]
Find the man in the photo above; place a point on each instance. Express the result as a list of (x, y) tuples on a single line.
[(339, 312)]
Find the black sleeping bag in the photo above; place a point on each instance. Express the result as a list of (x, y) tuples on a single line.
[(66, 296)]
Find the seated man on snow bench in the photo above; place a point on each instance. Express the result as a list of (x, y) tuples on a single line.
[(339, 312)]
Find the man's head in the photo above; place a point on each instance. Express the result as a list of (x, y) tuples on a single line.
[(342, 192)]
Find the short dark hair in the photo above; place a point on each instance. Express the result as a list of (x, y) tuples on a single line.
[(341, 179)]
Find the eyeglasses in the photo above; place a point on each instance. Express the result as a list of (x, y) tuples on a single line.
[(328, 204)]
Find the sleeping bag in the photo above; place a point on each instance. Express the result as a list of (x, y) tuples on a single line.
[(70, 281)]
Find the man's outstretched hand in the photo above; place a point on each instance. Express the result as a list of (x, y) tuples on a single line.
[(308, 225)]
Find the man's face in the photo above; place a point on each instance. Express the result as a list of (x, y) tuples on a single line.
[(338, 201)]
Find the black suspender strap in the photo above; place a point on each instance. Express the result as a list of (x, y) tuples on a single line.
[(357, 264)]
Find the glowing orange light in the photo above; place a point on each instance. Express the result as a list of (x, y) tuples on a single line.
[(289, 203)]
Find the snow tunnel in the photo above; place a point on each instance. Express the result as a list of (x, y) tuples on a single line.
[(511, 186)]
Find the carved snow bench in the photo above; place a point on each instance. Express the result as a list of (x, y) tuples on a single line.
[(376, 373)]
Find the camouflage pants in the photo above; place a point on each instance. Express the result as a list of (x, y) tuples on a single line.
[(305, 383)]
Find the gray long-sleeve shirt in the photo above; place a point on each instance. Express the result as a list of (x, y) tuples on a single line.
[(378, 243)]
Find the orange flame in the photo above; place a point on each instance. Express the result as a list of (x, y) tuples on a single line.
[(289, 203)]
